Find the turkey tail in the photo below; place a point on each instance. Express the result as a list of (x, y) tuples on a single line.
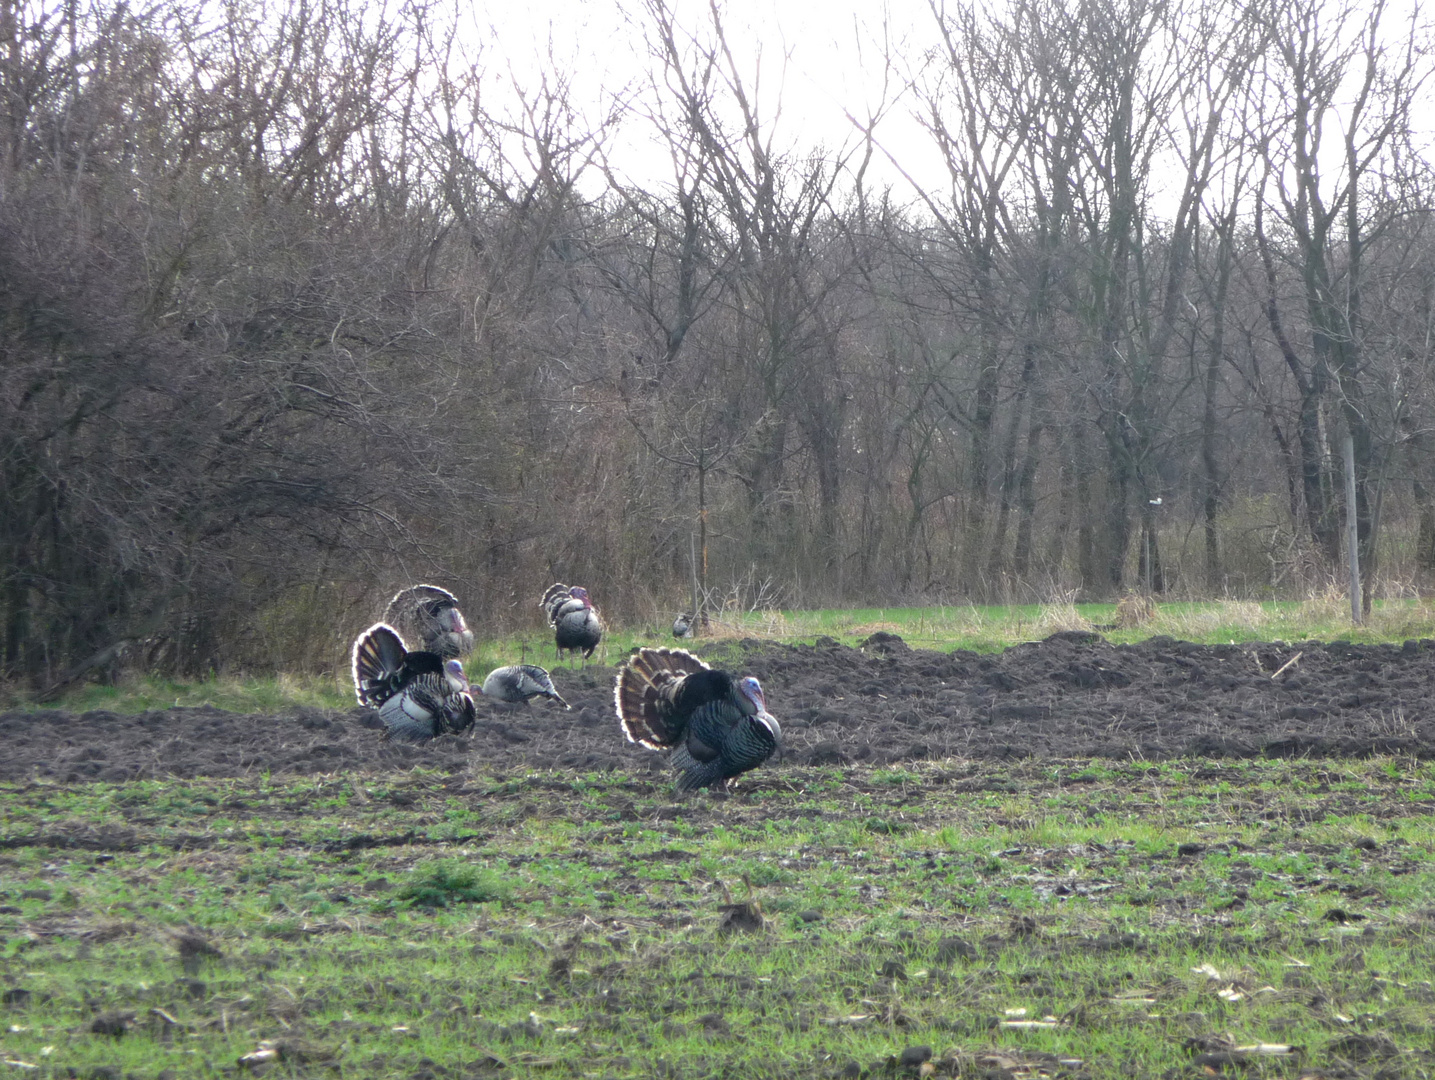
[(413, 598), (378, 658), (556, 594), (430, 615), (643, 695), (543, 682)]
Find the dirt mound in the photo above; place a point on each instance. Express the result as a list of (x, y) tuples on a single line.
[(1072, 695)]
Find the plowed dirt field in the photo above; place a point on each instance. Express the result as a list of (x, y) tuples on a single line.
[(1073, 695)]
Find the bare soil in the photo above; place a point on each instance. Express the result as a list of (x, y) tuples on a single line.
[(1074, 695)]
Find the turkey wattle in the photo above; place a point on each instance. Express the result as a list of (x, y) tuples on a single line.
[(716, 726), (417, 694)]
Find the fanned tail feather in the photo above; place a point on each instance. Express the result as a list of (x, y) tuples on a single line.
[(415, 597), (378, 657), (553, 599), (431, 616), (643, 695), (543, 682)]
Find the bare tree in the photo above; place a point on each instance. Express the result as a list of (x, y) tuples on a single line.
[(1334, 65)]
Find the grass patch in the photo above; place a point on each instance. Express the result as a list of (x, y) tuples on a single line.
[(982, 629), (1121, 917), (445, 884)]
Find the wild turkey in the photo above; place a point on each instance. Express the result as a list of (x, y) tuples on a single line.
[(683, 626), (520, 683), (431, 615), (717, 727), (575, 622), (418, 694)]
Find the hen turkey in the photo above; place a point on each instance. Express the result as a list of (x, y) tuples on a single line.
[(683, 626), (431, 615), (575, 621), (418, 694), (520, 683), (717, 727)]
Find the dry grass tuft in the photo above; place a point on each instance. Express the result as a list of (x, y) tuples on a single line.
[(1054, 618), (1135, 609), (1399, 620), (729, 625), (1331, 604), (866, 630), (743, 918), (1197, 625)]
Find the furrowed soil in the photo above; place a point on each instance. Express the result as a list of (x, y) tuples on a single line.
[(1073, 695)]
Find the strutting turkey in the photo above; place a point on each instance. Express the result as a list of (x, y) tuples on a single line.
[(683, 626), (520, 684), (575, 621), (431, 615), (418, 694), (717, 726)]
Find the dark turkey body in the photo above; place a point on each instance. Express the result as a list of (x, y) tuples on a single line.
[(578, 630), (716, 727)]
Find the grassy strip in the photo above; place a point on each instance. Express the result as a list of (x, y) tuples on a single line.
[(1076, 918), (981, 629)]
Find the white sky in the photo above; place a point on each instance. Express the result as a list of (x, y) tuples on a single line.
[(817, 59), (813, 58)]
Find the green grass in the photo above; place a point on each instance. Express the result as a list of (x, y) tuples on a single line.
[(980, 629), (444, 884), (993, 628), (138, 693), (555, 924)]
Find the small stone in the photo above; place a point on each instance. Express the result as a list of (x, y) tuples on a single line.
[(949, 948), (914, 1056), (113, 1024)]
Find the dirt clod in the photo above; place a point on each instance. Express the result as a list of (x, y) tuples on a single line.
[(949, 948), (741, 918), (113, 1024), (913, 1056)]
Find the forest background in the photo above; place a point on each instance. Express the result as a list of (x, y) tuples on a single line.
[(301, 302)]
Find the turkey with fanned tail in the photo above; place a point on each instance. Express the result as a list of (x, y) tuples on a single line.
[(418, 694), (431, 615), (716, 726), (520, 684), (575, 621)]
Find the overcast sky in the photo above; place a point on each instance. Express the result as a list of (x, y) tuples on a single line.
[(816, 59)]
